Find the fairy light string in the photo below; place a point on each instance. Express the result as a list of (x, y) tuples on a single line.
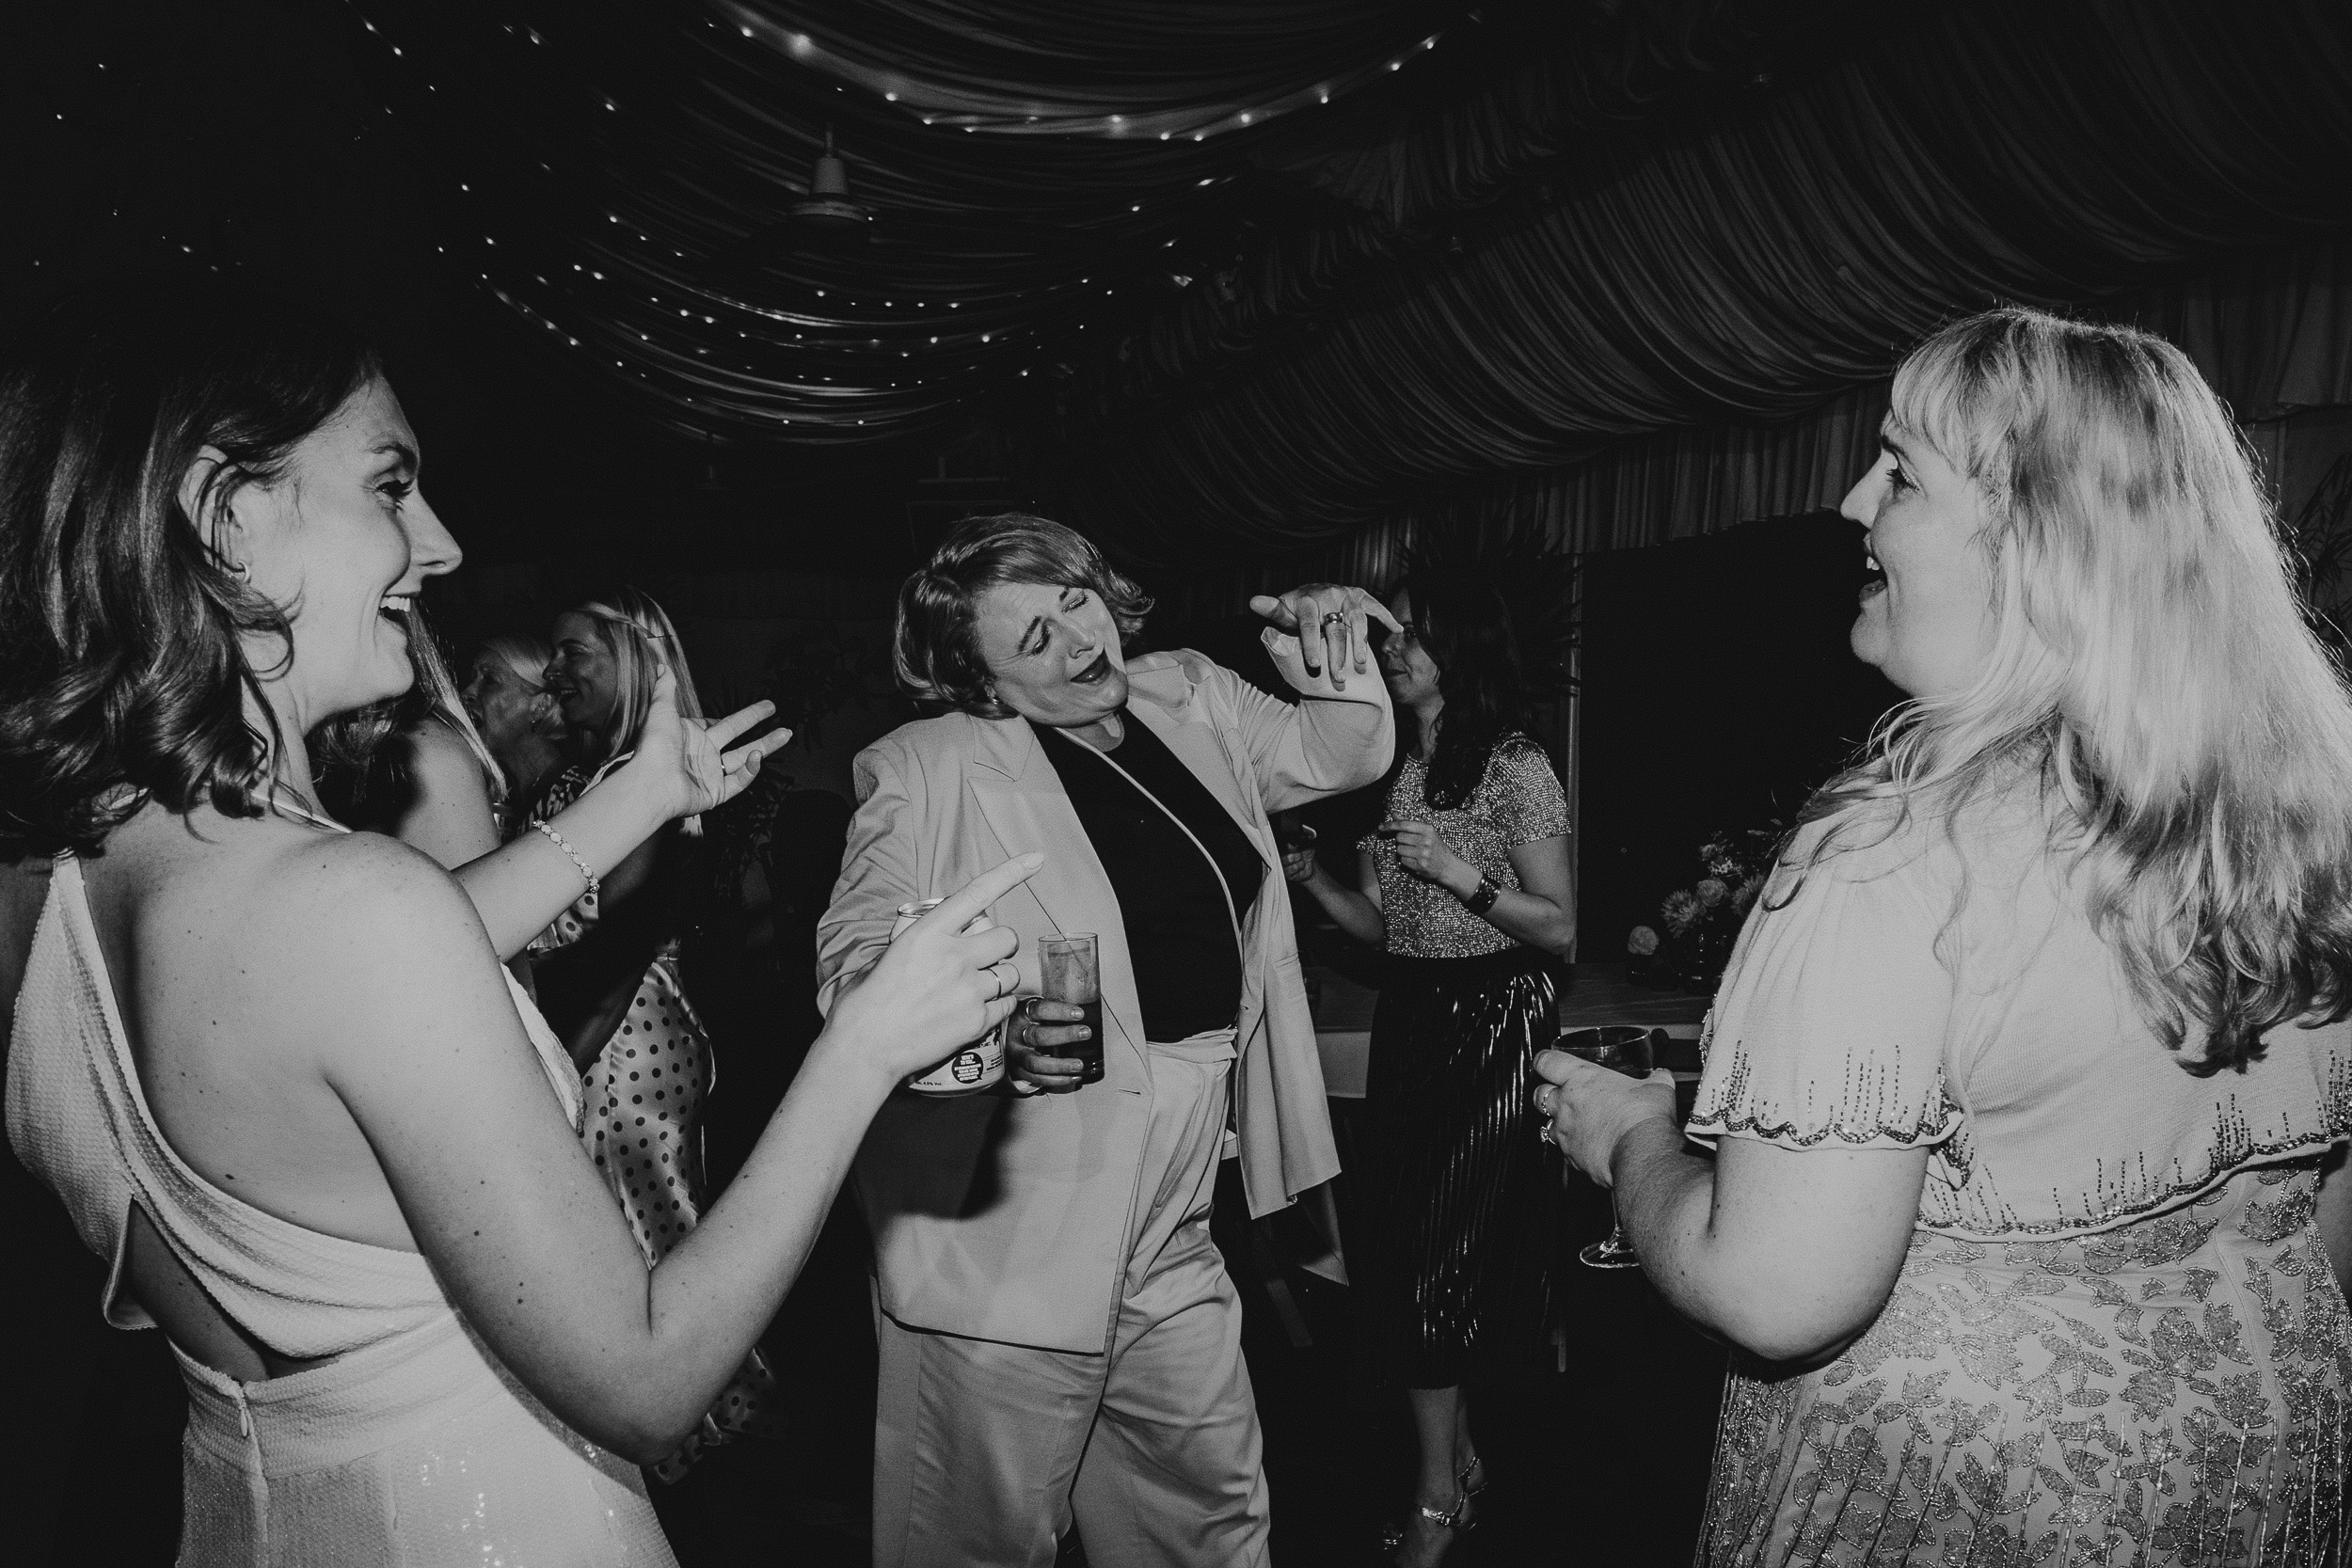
[(618, 179)]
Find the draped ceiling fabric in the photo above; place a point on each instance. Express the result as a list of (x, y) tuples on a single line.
[(1046, 68), (619, 174), (2273, 336), (1609, 270), (2052, 153)]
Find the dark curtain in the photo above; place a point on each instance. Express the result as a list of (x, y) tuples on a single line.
[(2054, 153), (1718, 692), (2272, 333)]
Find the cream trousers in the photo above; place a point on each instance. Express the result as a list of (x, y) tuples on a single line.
[(985, 1452)]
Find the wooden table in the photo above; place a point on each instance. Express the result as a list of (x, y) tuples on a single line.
[(1597, 994)]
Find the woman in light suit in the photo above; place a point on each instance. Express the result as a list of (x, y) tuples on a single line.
[(1059, 1334)]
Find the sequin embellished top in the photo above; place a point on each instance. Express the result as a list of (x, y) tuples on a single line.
[(1869, 1004), (1517, 801)]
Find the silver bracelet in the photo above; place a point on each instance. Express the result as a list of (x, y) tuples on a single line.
[(556, 839)]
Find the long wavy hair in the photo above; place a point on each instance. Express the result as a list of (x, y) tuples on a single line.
[(2153, 677), (638, 633), (124, 670), (936, 648), (1465, 624)]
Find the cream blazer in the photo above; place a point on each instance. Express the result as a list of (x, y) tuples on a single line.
[(1005, 1218)]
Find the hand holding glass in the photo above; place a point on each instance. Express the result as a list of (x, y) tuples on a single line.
[(1620, 1048), (1072, 974)]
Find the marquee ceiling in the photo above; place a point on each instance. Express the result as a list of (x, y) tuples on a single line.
[(1260, 271), (1040, 173), (1759, 250), (1048, 178)]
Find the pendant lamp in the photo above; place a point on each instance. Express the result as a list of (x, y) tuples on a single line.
[(827, 208)]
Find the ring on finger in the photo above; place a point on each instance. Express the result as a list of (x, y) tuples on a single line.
[(1335, 615), (1006, 976)]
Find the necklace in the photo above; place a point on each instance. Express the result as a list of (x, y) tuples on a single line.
[(296, 808)]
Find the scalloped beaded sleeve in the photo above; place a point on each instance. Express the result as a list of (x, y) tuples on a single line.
[(1830, 1028)]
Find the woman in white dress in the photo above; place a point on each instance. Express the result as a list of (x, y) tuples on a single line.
[(274, 1069)]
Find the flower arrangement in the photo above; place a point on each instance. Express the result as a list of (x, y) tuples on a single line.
[(1700, 923)]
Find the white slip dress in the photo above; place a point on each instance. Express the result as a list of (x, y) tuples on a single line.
[(414, 1448)]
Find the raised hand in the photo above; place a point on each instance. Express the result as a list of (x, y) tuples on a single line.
[(935, 988), (1329, 622), (688, 760)]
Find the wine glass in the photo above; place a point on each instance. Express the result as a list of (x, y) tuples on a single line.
[(1620, 1048)]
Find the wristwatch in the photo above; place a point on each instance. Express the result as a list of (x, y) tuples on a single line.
[(1482, 897)]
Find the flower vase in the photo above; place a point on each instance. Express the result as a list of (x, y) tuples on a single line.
[(1706, 952)]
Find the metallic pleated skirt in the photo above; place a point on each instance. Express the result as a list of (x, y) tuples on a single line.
[(1459, 1232)]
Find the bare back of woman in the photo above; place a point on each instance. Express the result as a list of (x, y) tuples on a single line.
[(231, 1050), (153, 1275)]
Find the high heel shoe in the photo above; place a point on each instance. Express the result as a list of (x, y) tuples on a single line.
[(1457, 1522), (1474, 1479)]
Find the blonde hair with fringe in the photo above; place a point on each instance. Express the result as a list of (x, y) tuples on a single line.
[(2152, 674), (638, 633)]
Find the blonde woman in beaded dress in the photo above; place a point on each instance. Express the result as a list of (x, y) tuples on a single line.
[(271, 1067), (1466, 888), (2028, 1071)]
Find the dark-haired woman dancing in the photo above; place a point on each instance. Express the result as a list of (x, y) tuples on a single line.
[(1466, 885)]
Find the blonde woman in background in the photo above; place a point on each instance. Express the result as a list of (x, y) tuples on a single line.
[(507, 698), (608, 969), (2024, 1074)]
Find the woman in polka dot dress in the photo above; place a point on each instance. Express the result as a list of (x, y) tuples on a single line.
[(608, 970)]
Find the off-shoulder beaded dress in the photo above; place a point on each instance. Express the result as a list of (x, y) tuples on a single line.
[(2116, 1338)]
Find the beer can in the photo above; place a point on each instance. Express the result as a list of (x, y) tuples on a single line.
[(976, 1066)]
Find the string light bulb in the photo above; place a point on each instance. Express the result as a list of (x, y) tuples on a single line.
[(1029, 308)]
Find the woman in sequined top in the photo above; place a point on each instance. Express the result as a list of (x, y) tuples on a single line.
[(2029, 1063), (1466, 886)]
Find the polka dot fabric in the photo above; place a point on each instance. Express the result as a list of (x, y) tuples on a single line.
[(645, 1095), (643, 1129)]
